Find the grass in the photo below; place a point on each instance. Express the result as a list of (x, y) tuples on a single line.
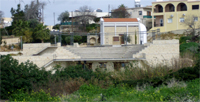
[(173, 91)]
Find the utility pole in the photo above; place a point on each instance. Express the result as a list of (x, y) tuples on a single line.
[(54, 17), (21, 42), (72, 21), (108, 9)]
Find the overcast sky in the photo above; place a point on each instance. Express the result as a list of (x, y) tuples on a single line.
[(59, 6)]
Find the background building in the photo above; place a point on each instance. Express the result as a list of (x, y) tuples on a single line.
[(170, 15), (144, 13), (5, 22)]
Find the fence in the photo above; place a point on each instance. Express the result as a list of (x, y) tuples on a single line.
[(98, 39)]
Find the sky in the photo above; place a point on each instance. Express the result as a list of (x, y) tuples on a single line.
[(59, 6)]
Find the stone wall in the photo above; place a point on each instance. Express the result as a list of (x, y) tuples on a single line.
[(160, 52), (40, 61), (33, 48), (59, 53), (10, 41)]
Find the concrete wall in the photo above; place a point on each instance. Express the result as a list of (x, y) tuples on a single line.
[(33, 48), (160, 52), (38, 60), (61, 63), (10, 41)]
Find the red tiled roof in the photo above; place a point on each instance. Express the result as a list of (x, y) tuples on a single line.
[(120, 20)]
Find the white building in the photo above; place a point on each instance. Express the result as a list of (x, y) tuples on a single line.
[(5, 22), (113, 31)]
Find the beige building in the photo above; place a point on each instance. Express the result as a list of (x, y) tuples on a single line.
[(114, 30), (171, 14), (144, 13)]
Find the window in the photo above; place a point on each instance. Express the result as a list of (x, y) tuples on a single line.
[(140, 12), (195, 19), (169, 20), (130, 13), (116, 38), (102, 65), (161, 22), (122, 64), (148, 13), (182, 19), (195, 7)]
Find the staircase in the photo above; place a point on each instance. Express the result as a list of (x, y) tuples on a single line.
[(99, 52), (133, 50), (106, 52)]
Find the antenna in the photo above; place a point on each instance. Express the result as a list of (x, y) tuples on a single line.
[(108, 9), (137, 3)]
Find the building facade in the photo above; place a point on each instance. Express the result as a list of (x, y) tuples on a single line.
[(170, 15), (118, 31), (144, 13)]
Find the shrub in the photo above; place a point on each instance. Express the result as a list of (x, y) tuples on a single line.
[(16, 76), (73, 72), (191, 46), (184, 38), (184, 74)]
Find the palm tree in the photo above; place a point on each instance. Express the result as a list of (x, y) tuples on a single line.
[(41, 32)]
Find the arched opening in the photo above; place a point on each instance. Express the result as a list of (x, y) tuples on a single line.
[(92, 40), (169, 8), (158, 8), (182, 7)]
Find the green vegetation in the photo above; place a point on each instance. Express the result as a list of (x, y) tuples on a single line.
[(91, 27), (173, 91), (27, 82), (26, 26), (32, 96), (76, 39), (16, 76)]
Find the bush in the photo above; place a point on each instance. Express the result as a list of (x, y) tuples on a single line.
[(73, 72), (184, 74), (16, 76), (191, 46), (184, 38), (20, 95)]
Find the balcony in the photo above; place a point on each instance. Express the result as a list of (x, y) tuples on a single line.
[(148, 17)]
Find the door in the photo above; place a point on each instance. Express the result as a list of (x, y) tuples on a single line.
[(161, 22)]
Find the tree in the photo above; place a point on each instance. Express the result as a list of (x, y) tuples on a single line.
[(64, 16), (17, 14), (1, 15), (0, 38), (27, 36), (84, 16), (57, 26), (120, 12), (41, 33), (191, 21), (19, 27), (32, 11)]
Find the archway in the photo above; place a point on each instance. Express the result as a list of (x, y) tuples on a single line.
[(158, 8), (92, 40), (182, 7), (169, 8)]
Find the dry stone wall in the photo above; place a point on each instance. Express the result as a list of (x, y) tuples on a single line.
[(160, 52)]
